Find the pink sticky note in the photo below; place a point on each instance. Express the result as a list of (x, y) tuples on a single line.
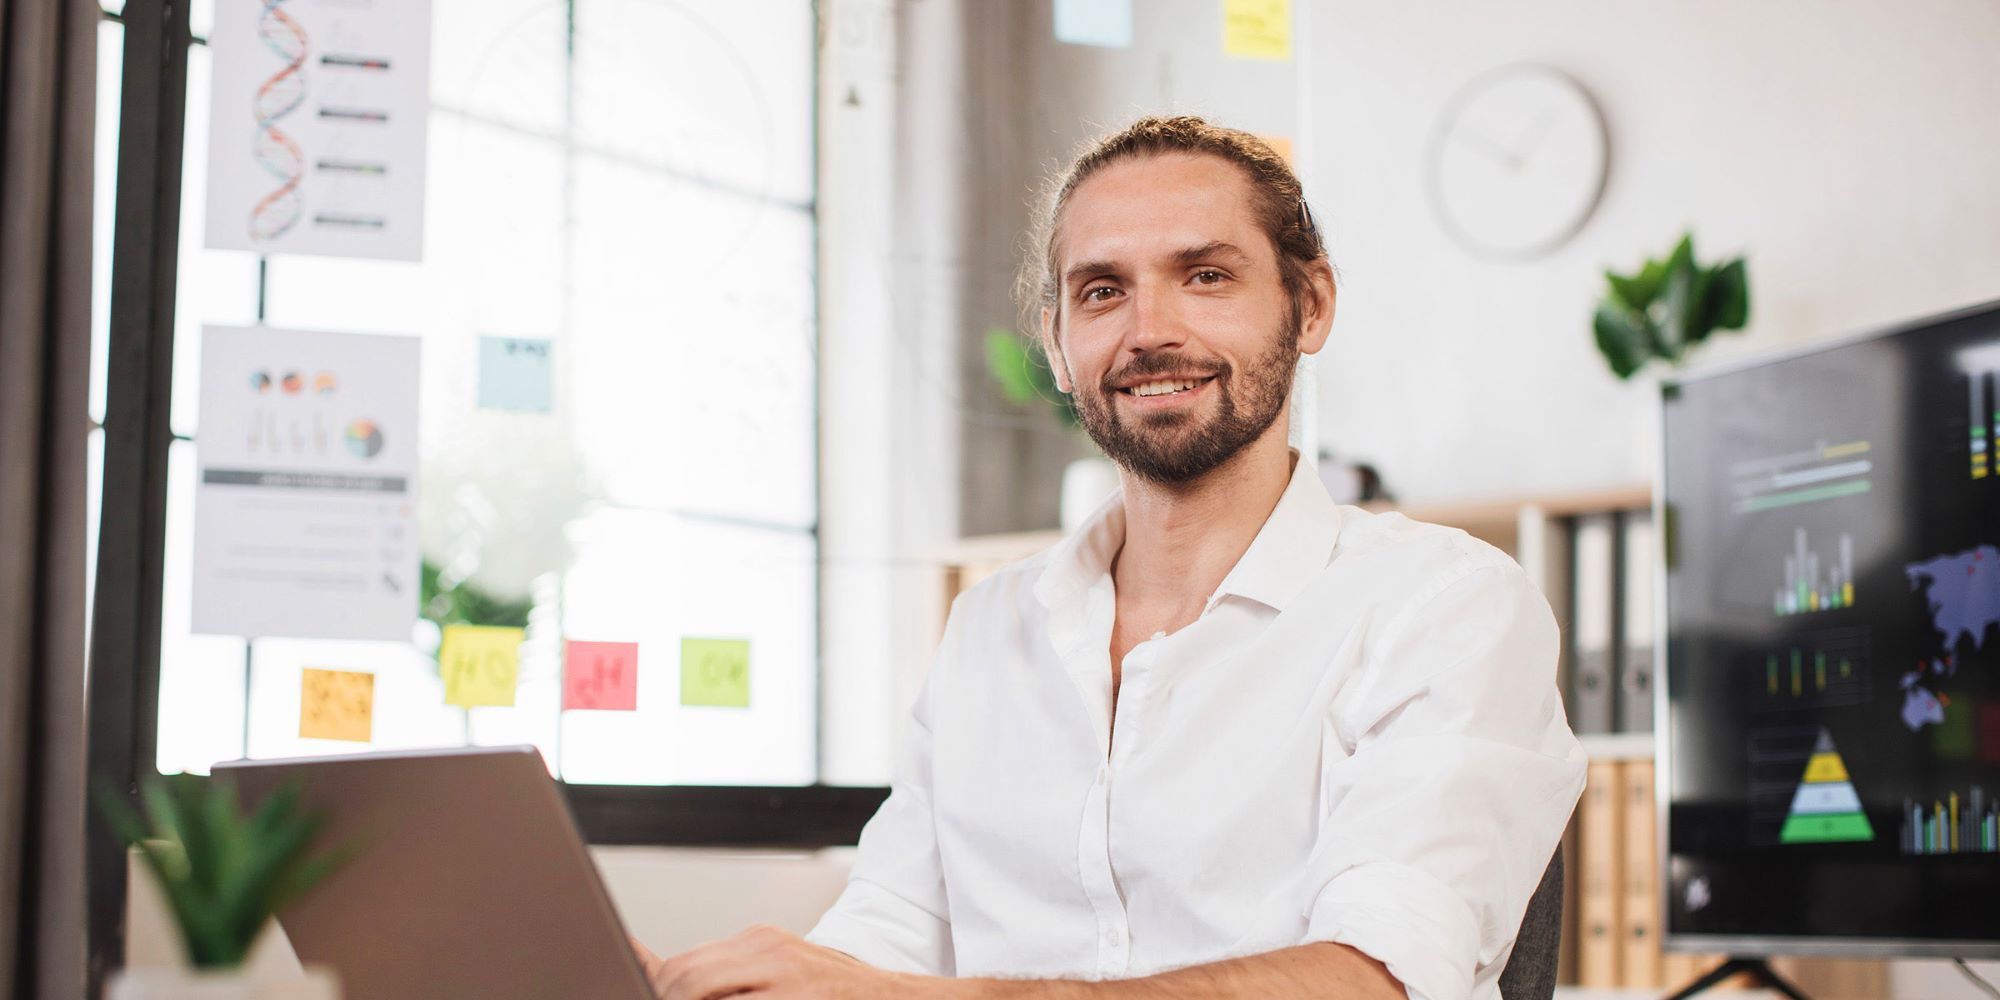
[(601, 675)]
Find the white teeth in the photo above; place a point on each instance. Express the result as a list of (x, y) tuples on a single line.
[(1162, 388)]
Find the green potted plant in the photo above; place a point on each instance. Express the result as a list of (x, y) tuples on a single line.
[(224, 874), (1026, 378), (1667, 308)]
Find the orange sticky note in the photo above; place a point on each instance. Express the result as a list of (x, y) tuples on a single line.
[(480, 664), (1281, 145), (336, 705), (601, 675)]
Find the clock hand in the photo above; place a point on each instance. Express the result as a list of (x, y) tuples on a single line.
[(1536, 131), (1490, 149)]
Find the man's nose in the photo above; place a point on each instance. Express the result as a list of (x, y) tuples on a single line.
[(1156, 321)]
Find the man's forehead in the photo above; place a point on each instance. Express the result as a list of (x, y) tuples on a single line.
[(1158, 206)]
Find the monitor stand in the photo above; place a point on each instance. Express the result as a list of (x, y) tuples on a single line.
[(1760, 972)]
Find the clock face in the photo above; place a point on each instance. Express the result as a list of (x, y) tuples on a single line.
[(1517, 162)]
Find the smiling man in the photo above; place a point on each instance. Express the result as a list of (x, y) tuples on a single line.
[(1227, 739)]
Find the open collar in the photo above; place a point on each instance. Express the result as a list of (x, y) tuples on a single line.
[(1291, 548)]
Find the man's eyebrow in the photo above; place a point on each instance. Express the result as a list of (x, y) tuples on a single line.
[(1209, 251), (1087, 270)]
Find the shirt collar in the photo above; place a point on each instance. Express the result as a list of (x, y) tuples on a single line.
[(1289, 551)]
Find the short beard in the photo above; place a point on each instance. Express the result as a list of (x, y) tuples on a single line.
[(1153, 453)]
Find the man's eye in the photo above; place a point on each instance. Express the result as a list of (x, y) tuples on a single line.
[(1208, 276), (1090, 294)]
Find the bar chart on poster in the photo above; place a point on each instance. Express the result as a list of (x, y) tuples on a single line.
[(319, 111), (305, 502)]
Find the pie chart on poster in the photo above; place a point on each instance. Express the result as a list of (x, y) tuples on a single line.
[(364, 438)]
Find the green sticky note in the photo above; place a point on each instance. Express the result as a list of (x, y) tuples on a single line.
[(715, 672)]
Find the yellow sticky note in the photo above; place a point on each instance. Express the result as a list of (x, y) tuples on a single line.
[(480, 664), (1257, 29), (715, 672), (336, 705), (1282, 146)]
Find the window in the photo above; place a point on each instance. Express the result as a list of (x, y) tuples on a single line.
[(632, 181)]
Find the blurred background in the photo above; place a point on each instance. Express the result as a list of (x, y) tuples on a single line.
[(770, 249)]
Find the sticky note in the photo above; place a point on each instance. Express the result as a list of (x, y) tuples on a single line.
[(601, 675), (715, 672), (336, 705), (516, 373), (1281, 145), (1106, 23), (1257, 29), (479, 664)]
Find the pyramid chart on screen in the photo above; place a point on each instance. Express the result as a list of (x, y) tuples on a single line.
[(1825, 809)]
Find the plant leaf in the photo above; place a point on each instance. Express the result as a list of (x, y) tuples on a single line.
[(1682, 255), (1677, 304), (1624, 342), (1728, 303), (1651, 278), (1630, 292), (1007, 359)]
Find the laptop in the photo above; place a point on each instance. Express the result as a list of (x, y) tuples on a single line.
[(471, 880)]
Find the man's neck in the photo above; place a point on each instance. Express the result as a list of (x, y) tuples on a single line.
[(1181, 540)]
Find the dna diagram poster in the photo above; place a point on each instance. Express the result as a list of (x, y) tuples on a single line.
[(317, 127), (305, 506)]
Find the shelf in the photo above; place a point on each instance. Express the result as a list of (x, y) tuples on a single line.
[(1618, 746)]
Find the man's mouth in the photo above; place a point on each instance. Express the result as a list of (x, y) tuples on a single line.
[(1167, 387)]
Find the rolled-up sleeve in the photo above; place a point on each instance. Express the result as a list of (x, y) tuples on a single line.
[(892, 914), (1449, 774)]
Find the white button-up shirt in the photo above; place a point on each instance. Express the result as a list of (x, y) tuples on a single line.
[(1359, 740)]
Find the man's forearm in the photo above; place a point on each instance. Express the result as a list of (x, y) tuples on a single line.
[(1311, 970)]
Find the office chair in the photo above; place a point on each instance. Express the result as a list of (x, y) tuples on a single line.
[(1531, 967)]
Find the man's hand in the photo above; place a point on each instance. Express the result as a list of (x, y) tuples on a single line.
[(771, 964)]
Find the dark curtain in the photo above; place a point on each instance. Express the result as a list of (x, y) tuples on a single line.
[(48, 75)]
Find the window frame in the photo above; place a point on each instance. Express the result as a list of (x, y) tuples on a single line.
[(123, 671)]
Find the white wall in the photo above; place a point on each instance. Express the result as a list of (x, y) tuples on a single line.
[(1849, 149)]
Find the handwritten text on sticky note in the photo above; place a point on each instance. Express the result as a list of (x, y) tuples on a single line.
[(601, 675), (516, 373), (480, 664), (1257, 29), (336, 705), (715, 672)]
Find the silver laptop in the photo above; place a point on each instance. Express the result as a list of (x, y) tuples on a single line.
[(471, 881)]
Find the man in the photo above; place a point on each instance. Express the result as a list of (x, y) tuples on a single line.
[(1228, 739)]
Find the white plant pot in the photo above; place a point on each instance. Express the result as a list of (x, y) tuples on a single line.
[(1086, 484), (166, 982)]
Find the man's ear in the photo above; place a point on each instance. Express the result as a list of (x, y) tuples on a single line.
[(1053, 351), (1317, 317)]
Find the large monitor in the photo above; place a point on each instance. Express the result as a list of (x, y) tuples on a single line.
[(1830, 722)]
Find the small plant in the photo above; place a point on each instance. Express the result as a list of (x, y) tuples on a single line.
[(1669, 307), (1024, 375), (224, 874), (464, 602)]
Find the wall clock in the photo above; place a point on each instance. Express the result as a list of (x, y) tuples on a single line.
[(1517, 162)]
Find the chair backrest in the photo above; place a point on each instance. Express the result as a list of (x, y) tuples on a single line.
[(1531, 967)]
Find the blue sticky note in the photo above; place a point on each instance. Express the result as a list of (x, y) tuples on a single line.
[(1107, 23), (515, 373)]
